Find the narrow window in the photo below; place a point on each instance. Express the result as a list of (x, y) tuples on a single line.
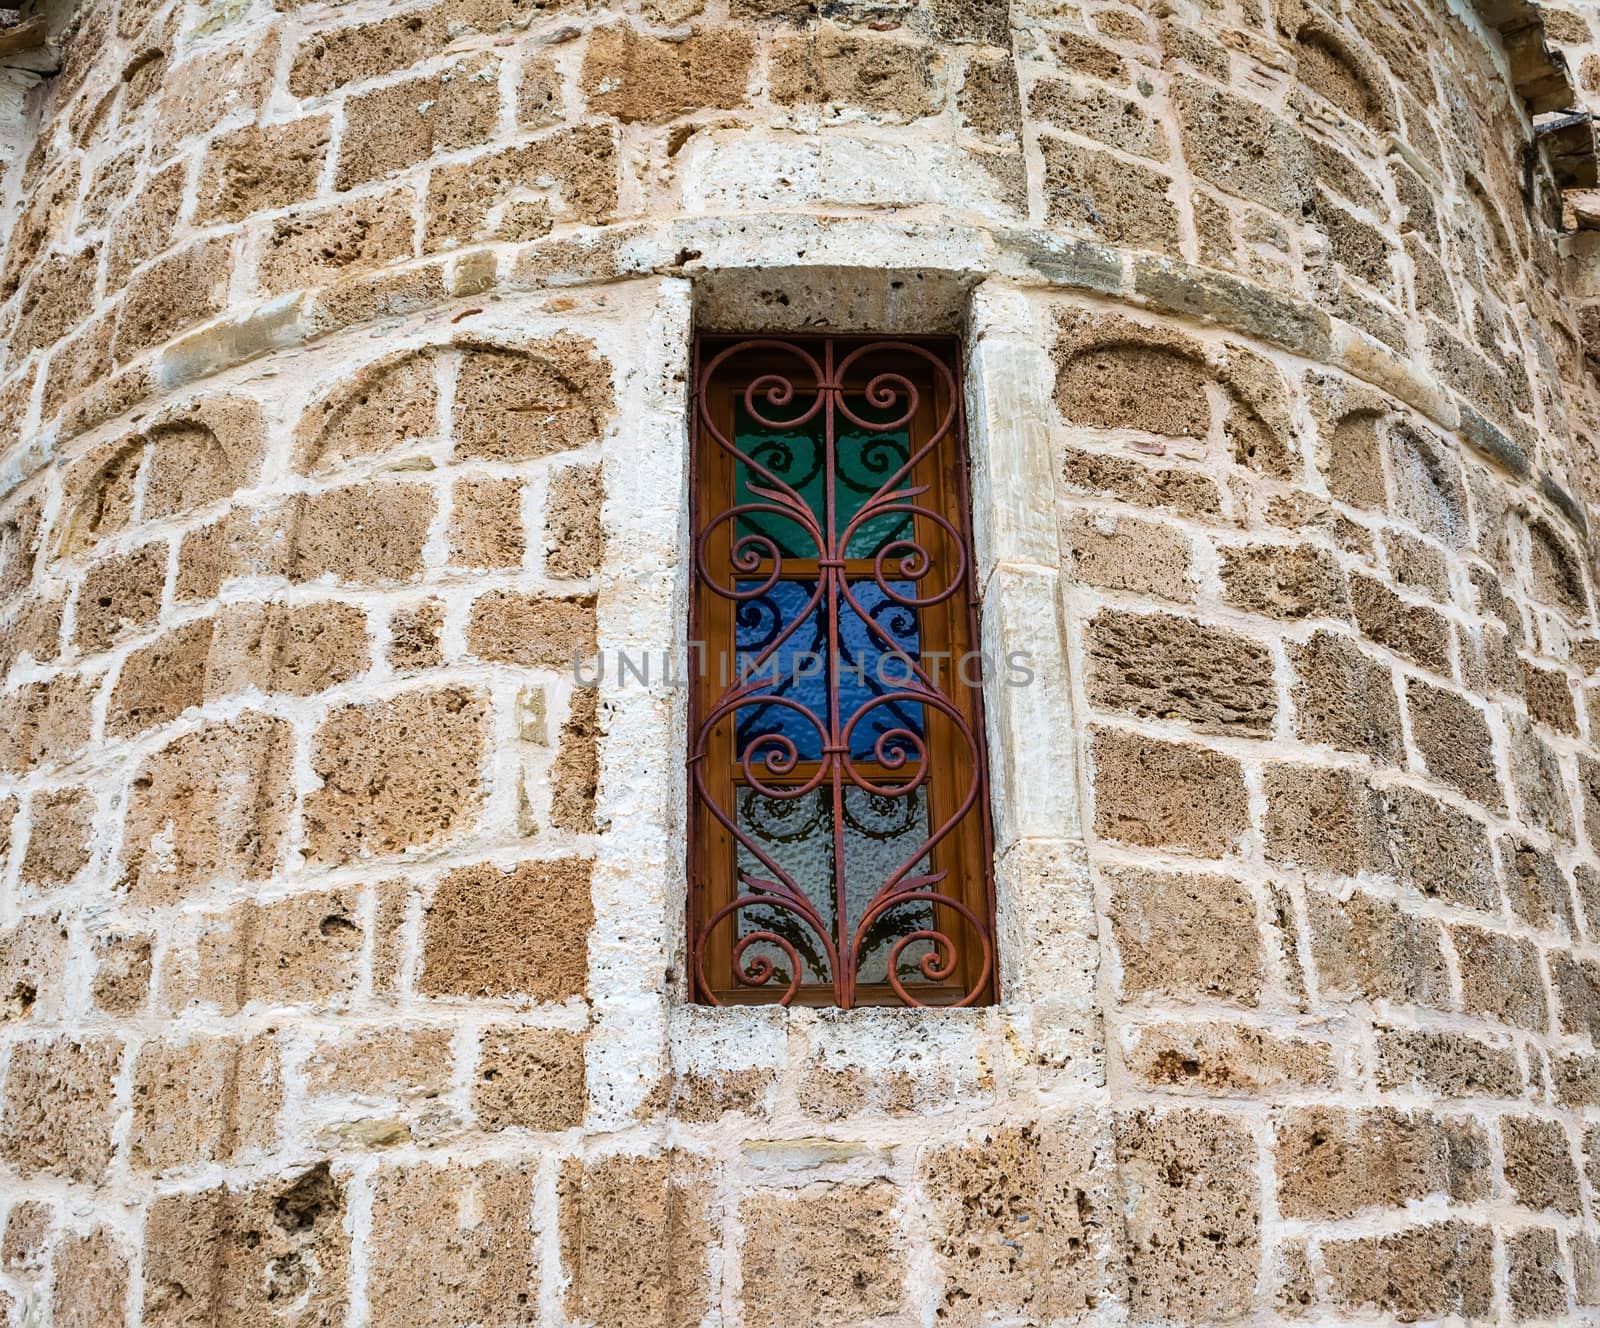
[(839, 847)]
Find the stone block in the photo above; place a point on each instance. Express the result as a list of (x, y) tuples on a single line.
[(486, 523), (1536, 1276), (642, 78), (1185, 936), (1423, 1272), (1412, 631), (1288, 581), (635, 1237), (1192, 1204), (158, 682), (300, 951), (203, 1101), (1344, 698), (1212, 1058), (886, 75), (314, 247), (1323, 820), (327, 60), (531, 630), (1108, 197), (26, 1244), (90, 1281), (261, 167), (385, 405), (1538, 1163), (530, 1079), (1501, 977), (1577, 984), (1447, 1065), (457, 1246), (272, 1251), (1438, 850), (1019, 1215), (211, 803), (60, 1107), (120, 594), (1334, 1162), (1116, 552), (827, 1254), (200, 453), (382, 1063), (1549, 697), (172, 294), (299, 649), (1164, 667), (60, 833), (575, 776), (396, 126), (1453, 737), (1098, 113), (33, 959), (574, 539), (1151, 793), (121, 983), (1536, 886), (1161, 487), (244, 542), (416, 633), (437, 737), (362, 534), (517, 404), (1242, 148), (498, 933), (1369, 949)]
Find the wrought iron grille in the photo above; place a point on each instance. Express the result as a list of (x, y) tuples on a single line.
[(840, 851)]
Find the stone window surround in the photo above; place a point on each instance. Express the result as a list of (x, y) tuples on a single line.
[(1045, 922)]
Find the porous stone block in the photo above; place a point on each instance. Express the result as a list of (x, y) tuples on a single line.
[(210, 803), (202, 1101), (299, 649), (1439, 850), (537, 915), (575, 776), (1577, 984), (122, 963), (530, 1079), (1108, 197), (1019, 1215), (1161, 487), (1453, 736), (1334, 1162), (1370, 949), (1152, 793), (60, 1107), (457, 1246), (1447, 1065), (261, 167), (172, 294), (534, 631), (60, 830), (1501, 977), (636, 77), (827, 1254), (1536, 1276), (1538, 1163), (1289, 581), (1226, 1058), (158, 682), (1164, 667), (385, 1062), (360, 811), (273, 1251), (316, 246), (1410, 630), (519, 403), (386, 404), (575, 541), (1344, 698), (1323, 820), (361, 534), (1193, 1211), (1116, 552), (1241, 147), (1422, 1272), (33, 954), (396, 126), (120, 594), (1185, 935), (45, 722), (90, 1281), (635, 1234), (486, 523)]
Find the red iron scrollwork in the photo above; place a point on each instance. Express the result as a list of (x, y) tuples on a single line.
[(842, 845)]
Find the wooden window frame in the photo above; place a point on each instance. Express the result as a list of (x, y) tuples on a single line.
[(957, 785)]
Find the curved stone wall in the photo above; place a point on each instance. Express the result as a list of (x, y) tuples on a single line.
[(343, 400)]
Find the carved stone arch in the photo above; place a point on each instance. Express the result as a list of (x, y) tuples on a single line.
[(201, 453), (1327, 65), (1258, 424), (1429, 489), (100, 494), (386, 404), (1555, 569), (1115, 373), (529, 399)]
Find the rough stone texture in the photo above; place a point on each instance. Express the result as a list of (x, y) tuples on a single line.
[(361, 810), (826, 1254), (345, 381)]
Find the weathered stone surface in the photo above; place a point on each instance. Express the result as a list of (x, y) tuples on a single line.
[(1164, 667), (489, 932), (1151, 793), (1447, 1064), (1538, 1163), (275, 1251), (1227, 1058), (529, 1078), (635, 1237), (1369, 949), (1345, 698), (458, 1245), (437, 736), (1423, 1272), (202, 1101), (91, 1281), (532, 630), (517, 403), (636, 77), (826, 1254), (1193, 1212), (60, 1107), (1018, 1213), (1186, 936)]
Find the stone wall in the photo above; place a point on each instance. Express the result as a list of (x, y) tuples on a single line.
[(343, 398)]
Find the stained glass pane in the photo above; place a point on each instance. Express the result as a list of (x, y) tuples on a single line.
[(802, 668), (880, 832)]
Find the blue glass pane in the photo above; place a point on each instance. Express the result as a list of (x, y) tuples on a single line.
[(868, 666)]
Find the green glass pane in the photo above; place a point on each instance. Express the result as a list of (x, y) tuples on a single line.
[(863, 460)]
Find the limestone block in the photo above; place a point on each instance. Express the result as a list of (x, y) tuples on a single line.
[(60, 1106), (529, 1078)]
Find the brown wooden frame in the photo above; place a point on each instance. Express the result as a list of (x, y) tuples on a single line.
[(956, 759)]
